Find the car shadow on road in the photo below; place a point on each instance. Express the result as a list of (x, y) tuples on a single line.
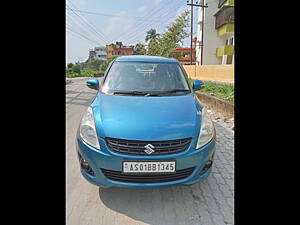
[(168, 205)]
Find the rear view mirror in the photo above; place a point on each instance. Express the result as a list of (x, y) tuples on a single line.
[(93, 84), (198, 84)]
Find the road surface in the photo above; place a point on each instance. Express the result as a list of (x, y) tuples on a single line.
[(207, 203)]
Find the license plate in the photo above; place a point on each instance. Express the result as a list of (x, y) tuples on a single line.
[(149, 167)]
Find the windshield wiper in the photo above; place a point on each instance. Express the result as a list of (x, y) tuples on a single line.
[(133, 93), (174, 91), (144, 93)]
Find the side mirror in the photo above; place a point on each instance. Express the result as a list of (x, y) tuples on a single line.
[(198, 84), (93, 84)]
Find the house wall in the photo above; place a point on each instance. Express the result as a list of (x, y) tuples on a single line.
[(102, 54), (211, 40), (220, 73)]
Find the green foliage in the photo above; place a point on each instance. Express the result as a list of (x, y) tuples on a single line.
[(151, 34), (88, 68), (88, 73), (71, 74), (76, 68), (139, 49), (85, 73), (93, 64), (225, 92), (70, 65), (164, 44), (103, 66), (222, 91)]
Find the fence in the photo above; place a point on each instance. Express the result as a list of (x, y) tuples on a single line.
[(220, 73)]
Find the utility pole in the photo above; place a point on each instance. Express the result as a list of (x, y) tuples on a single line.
[(197, 5)]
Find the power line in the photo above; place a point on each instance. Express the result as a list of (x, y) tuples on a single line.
[(167, 11), (98, 35), (197, 5), (159, 26), (101, 36), (83, 36), (137, 27), (81, 27), (112, 15), (143, 26)]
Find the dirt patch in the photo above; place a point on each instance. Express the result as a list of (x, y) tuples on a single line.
[(220, 111)]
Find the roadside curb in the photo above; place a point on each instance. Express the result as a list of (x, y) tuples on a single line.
[(216, 104), (72, 80)]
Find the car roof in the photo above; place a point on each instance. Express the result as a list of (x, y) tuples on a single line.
[(145, 58)]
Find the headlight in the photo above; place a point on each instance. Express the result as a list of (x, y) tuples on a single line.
[(207, 130), (87, 129)]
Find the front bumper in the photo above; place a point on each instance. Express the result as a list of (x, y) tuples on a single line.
[(106, 159)]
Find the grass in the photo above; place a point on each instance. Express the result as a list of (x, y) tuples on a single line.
[(83, 73), (222, 91)]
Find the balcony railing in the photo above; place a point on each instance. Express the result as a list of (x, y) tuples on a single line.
[(225, 50), (224, 16)]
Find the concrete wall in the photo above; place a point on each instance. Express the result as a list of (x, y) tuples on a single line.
[(211, 41), (221, 73)]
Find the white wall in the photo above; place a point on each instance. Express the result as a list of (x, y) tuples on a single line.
[(211, 41), (101, 52)]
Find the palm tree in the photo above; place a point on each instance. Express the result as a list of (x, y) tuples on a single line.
[(151, 34)]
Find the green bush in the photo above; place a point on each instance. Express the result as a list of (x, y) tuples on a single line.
[(84, 73), (87, 73), (71, 74), (222, 91)]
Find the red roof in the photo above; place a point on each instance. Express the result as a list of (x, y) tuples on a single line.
[(177, 50)]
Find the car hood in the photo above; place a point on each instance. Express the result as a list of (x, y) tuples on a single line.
[(146, 118)]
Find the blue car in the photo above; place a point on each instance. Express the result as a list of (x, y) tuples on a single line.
[(145, 127)]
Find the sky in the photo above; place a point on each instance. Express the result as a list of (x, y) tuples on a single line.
[(91, 23)]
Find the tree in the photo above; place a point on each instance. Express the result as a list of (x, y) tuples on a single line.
[(166, 43), (70, 65), (103, 66), (151, 34), (93, 64), (139, 49), (76, 68)]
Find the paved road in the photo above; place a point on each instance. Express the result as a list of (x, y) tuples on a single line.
[(206, 203)]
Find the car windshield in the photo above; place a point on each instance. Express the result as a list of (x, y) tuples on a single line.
[(139, 78)]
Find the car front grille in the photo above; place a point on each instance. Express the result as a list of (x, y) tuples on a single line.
[(147, 178), (131, 147)]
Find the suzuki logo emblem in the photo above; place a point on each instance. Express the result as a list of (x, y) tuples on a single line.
[(149, 149)]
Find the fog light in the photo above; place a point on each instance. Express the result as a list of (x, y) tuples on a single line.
[(84, 165), (207, 166)]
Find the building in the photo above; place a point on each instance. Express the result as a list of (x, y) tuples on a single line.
[(101, 53), (123, 51), (218, 32), (184, 54), (118, 49), (98, 53)]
